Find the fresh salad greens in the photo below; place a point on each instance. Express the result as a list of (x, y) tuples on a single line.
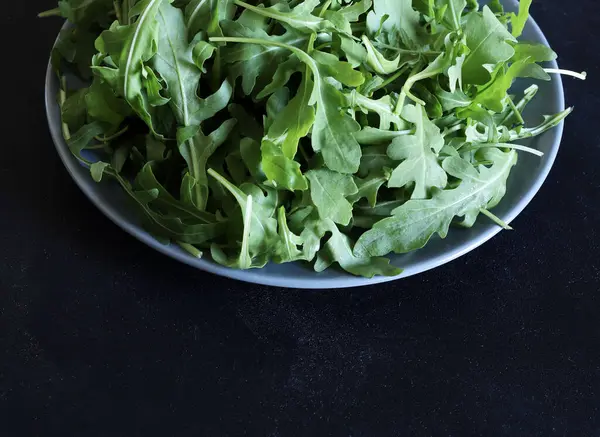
[(323, 131)]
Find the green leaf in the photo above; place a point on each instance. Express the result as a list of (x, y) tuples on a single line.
[(419, 155), (330, 65), (534, 51), (103, 105), (494, 94), (332, 133), (286, 248), (353, 11), (413, 223), (281, 77), (451, 100), (177, 62), (74, 111), (374, 159), (257, 63), (487, 38), (338, 249), (519, 20), (130, 47), (293, 122), (259, 228), (196, 150), (153, 88), (299, 17), (369, 187), (401, 24), (373, 136), (377, 61), (202, 52), (282, 171), (75, 45), (251, 155), (206, 15), (454, 12), (443, 63), (384, 107), (85, 12), (84, 136), (163, 200), (280, 144), (328, 191), (172, 227), (97, 170)]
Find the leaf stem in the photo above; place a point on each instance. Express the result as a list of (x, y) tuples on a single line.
[(190, 249), (118, 11), (507, 146), (416, 78), (521, 104), (403, 93), (452, 129), (313, 36), (96, 146), (549, 123), (414, 52), (62, 97), (454, 16), (581, 76), (515, 111), (496, 219), (392, 78), (50, 13), (323, 46), (113, 136), (125, 13)]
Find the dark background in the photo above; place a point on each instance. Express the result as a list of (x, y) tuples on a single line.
[(101, 336)]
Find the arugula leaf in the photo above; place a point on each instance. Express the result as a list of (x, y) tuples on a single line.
[(253, 62), (280, 144), (377, 61), (369, 186), (492, 96), (73, 111), (397, 22), (383, 107), (353, 11), (130, 47), (332, 133), (196, 150), (419, 153), (286, 249), (488, 42), (259, 228), (519, 20), (299, 17), (338, 249), (85, 12), (206, 15), (328, 191), (174, 61), (103, 105), (411, 225)]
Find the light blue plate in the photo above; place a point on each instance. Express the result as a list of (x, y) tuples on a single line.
[(524, 182)]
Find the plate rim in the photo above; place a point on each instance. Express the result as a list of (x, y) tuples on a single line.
[(315, 283)]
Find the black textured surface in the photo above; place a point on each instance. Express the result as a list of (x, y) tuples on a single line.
[(100, 336)]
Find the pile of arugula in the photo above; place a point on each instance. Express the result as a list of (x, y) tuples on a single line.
[(325, 131)]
